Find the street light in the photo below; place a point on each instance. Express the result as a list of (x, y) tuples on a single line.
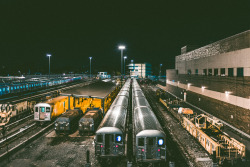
[(49, 55), (160, 71), (90, 66), (125, 57), (121, 47)]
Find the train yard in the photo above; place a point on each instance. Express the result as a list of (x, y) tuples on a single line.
[(136, 130)]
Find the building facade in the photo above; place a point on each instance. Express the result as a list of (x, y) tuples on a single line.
[(140, 70), (216, 78)]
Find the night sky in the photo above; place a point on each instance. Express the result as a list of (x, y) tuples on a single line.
[(152, 31)]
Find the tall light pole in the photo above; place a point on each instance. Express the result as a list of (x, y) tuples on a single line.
[(49, 55), (125, 57), (90, 66), (121, 47), (160, 71)]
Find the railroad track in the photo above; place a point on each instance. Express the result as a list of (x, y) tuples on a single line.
[(17, 142), (173, 150)]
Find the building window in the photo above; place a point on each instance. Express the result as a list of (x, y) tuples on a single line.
[(240, 72), (189, 72), (177, 72), (204, 71), (222, 71), (230, 72), (216, 72), (209, 72), (196, 71)]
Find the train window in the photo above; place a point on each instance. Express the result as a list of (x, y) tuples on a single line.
[(151, 141), (141, 142), (42, 109), (47, 109), (118, 138), (36, 110), (99, 138)]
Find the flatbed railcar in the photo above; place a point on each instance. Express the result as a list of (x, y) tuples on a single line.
[(110, 136), (68, 121), (90, 121), (149, 137)]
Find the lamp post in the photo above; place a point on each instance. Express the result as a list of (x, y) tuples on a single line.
[(125, 57), (49, 55), (90, 67), (121, 47), (160, 71)]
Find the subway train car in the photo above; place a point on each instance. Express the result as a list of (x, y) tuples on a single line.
[(110, 136), (90, 121), (49, 110), (68, 121), (149, 137), (15, 110)]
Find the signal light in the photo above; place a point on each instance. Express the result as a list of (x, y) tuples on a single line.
[(159, 150), (142, 150), (116, 146), (101, 146)]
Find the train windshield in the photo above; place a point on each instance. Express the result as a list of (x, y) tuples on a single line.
[(36, 110), (42, 109), (99, 138), (47, 109), (141, 142)]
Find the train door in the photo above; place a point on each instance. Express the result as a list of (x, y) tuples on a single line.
[(109, 139), (150, 147), (42, 113)]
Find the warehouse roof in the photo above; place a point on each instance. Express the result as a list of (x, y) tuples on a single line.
[(98, 89)]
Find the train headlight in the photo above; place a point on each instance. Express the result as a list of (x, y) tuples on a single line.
[(56, 124), (80, 124), (160, 142)]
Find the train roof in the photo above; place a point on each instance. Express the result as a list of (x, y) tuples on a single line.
[(108, 130), (151, 133), (115, 117), (98, 89), (145, 119), (71, 114), (42, 104), (56, 99)]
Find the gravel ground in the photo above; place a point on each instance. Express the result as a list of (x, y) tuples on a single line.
[(194, 152), (61, 151)]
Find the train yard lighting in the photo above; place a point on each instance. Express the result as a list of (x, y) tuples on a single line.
[(125, 57), (121, 47), (49, 55), (90, 66)]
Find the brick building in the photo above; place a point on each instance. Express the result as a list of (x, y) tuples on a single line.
[(216, 78)]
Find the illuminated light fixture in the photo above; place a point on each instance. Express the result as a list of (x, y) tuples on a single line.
[(189, 84), (227, 92), (203, 87), (121, 47), (159, 150), (118, 138), (101, 146), (160, 142), (142, 150), (116, 146)]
